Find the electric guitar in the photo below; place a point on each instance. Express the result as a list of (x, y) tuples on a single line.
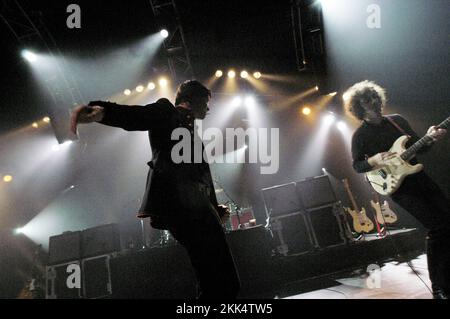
[(384, 213), (361, 223), (387, 179)]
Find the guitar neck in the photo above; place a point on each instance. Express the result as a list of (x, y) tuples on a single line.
[(377, 197), (424, 141), (350, 195)]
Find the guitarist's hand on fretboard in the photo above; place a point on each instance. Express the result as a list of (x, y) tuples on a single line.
[(388, 177), (436, 133)]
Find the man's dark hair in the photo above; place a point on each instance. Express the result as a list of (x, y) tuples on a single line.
[(191, 90), (366, 92)]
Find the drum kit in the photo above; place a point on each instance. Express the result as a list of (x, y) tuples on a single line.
[(240, 218)]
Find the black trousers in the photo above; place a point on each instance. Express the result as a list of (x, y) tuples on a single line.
[(205, 241), (422, 198)]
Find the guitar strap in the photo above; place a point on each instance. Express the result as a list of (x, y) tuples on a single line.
[(397, 126)]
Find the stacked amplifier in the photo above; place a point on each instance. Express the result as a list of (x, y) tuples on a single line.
[(79, 263), (304, 216)]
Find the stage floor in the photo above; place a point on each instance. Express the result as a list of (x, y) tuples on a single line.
[(397, 281), (371, 237)]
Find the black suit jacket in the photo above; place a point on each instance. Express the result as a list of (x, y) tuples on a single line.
[(172, 189)]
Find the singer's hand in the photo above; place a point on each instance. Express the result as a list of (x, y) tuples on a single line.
[(224, 213), (84, 115)]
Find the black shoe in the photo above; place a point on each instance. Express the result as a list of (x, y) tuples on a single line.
[(440, 294)]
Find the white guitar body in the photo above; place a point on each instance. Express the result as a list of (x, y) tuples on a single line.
[(384, 213), (361, 223), (387, 179)]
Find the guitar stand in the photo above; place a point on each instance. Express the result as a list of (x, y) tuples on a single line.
[(381, 229), (382, 233), (360, 238)]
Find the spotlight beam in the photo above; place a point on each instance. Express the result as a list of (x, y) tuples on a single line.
[(312, 158), (29, 56)]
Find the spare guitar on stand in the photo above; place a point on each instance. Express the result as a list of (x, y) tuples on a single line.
[(384, 214), (361, 223)]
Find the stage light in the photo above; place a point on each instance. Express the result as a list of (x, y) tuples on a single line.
[(329, 119), (219, 74), (232, 74), (151, 86), (333, 94), (244, 74), (324, 170), (29, 56), (317, 88), (237, 101), (140, 89), (346, 97), (35, 125), (322, 2), (306, 111), (7, 178), (46, 119), (163, 82), (250, 101), (19, 231), (341, 126), (257, 75), (164, 33), (67, 143), (127, 92)]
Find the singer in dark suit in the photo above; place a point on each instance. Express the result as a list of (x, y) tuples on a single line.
[(179, 197)]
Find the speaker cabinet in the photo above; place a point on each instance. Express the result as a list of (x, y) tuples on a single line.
[(57, 281), (158, 273), (292, 234), (64, 248), (251, 249), (99, 241), (281, 200), (97, 277), (316, 192), (326, 226)]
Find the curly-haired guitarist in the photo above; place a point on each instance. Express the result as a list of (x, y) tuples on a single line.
[(375, 150)]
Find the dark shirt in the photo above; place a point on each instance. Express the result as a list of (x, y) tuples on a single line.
[(371, 139), (172, 188), (187, 120)]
